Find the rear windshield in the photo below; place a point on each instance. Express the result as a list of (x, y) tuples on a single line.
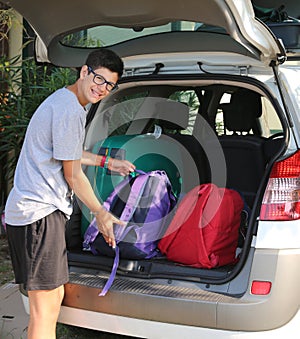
[(102, 36)]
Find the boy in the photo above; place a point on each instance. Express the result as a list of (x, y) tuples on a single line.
[(48, 172)]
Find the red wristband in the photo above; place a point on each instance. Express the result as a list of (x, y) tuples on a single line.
[(102, 162)]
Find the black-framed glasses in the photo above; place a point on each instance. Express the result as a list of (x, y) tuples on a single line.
[(100, 80)]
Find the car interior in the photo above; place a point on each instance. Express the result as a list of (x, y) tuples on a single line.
[(224, 134)]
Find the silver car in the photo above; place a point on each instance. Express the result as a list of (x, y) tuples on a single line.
[(238, 76)]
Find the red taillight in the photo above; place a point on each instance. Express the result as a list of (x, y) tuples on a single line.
[(282, 197), (261, 287)]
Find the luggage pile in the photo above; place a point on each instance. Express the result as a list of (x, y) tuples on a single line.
[(200, 229)]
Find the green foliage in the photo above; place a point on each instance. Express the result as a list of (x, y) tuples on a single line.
[(189, 98), (81, 39), (23, 86), (125, 112), (7, 19)]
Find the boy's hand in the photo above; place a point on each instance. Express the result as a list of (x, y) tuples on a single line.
[(105, 222), (123, 167)]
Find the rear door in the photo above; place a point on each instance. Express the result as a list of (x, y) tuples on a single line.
[(53, 20)]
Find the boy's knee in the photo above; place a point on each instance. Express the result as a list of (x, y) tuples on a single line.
[(46, 303)]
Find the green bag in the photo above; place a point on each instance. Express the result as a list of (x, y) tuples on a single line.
[(146, 152)]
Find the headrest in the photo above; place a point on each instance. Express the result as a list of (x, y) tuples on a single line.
[(244, 107), (172, 115)]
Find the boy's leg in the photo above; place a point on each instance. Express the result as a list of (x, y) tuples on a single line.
[(44, 310), (39, 258)]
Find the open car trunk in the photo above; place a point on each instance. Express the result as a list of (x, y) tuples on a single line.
[(213, 147)]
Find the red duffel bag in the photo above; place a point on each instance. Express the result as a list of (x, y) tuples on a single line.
[(205, 229)]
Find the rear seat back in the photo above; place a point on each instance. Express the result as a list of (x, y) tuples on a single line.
[(244, 152), (193, 156), (246, 155)]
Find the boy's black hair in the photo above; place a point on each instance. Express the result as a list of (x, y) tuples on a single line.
[(104, 57)]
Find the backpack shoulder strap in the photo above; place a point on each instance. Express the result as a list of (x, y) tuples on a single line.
[(129, 209), (112, 276)]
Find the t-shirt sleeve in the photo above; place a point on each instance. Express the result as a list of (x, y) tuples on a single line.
[(68, 134)]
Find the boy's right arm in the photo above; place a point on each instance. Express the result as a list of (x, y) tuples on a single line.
[(81, 186)]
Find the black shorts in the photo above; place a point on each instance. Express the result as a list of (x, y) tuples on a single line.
[(38, 253)]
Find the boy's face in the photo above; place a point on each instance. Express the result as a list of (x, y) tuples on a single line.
[(95, 84)]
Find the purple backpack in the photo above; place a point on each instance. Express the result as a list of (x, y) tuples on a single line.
[(144, 201)]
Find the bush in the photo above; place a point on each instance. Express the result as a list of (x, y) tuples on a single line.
[(24, 85)]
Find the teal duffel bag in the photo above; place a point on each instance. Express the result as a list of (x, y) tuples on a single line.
[(146, 152)]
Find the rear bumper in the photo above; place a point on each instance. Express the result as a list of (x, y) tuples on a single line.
[(185, 303), (157, 330), (139, 307)]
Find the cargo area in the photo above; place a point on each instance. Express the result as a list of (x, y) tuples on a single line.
[(222, 134)]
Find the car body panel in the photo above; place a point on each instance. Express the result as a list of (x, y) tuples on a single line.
[(274, 235)]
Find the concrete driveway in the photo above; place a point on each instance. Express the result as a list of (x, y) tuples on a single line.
[(13, 319)]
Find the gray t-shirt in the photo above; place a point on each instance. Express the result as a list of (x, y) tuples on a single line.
[(55, 133)]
